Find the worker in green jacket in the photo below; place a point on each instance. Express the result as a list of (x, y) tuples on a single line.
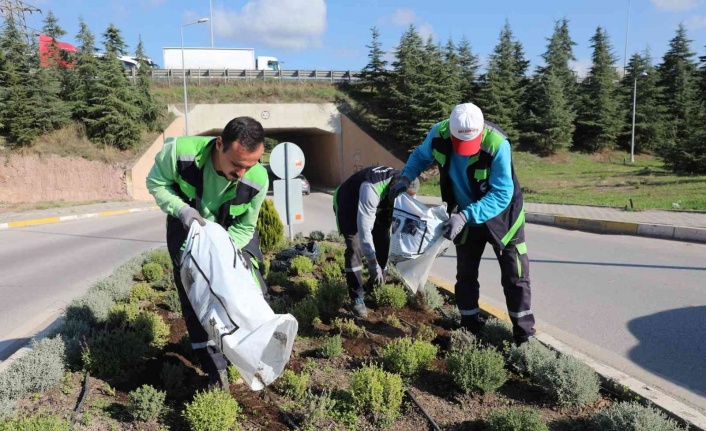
[(217, 179)]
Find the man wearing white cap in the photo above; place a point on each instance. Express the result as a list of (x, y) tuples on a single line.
[(476, 176)]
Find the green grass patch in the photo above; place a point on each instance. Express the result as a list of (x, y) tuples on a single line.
[(601, 179)]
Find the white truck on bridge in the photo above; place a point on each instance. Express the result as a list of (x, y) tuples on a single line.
[(218, 58)]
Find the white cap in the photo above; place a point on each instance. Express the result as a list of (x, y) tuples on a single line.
[(466, 125)]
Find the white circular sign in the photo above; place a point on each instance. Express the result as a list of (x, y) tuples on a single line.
[(294, 160), (265, 115)]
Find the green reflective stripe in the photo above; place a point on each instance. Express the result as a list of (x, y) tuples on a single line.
[(186, 188), (492, 139), (382, 186), (521, 248), (440, 158), (255, 263), (473, 159), (443, 129), (515, 227), (251, 183), (519, 265), (480, 174), (335, 209), (236, 210)]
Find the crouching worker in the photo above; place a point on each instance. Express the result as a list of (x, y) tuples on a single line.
[(197, 178), (363, 215)]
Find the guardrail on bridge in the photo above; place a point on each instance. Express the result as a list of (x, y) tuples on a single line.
[(176, 76)]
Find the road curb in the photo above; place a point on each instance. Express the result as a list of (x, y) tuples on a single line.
[(50, 220), (611, 379), (677, 233)]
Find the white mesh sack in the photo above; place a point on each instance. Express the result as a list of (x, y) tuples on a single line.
[(230, 306), (415, 239)]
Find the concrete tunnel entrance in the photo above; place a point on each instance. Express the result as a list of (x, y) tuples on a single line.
[(320, 151)]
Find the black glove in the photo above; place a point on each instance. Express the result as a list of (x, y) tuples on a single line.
[(188, 214), (453, 226), (398, 188)]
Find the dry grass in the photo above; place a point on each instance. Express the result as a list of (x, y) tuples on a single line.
[(71, 141)]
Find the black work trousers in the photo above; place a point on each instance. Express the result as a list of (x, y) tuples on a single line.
[(354, 258), (515, 279)]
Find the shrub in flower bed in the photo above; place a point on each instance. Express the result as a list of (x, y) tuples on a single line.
[(171, 300), (377, 393), (390, 295), (515, 419), (429, 298), (305, 311), (334, 236), (530, 357), (331, 295), (123, 314), (301, 265), (276, 278), (316, 409), (92, 308), (406, 357), (462, 339), (632, 416), (151, 329), (497, 332), (270, 229), (331, 271), (146, 403), (347, 327), (281, 304), (331, 347), (115, 354), (37, 371), (214, 410), (142, 292), (293, 385), (41, 422), (569, 381), (316, 235), (425, 333), (481, 369), (152, 272), (160, 257), (306, 286), (166, 283), (173, 378)]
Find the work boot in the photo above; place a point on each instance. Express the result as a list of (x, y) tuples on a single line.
[(219, 380), (359, 308), (474, 324)]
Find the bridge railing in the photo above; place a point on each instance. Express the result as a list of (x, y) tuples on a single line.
[(176, 76)]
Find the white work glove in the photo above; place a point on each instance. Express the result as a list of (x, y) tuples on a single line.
[(188, 214), (377, 277), (453, 226)]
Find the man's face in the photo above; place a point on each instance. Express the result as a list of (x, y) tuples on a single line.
[(234, 163)]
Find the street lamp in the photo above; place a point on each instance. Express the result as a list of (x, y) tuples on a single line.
[(183, 73), (634, 102)]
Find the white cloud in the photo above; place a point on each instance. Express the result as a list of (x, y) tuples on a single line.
[(403, 17), (675, 5), (695, 22), (581, 66), (290, 24)]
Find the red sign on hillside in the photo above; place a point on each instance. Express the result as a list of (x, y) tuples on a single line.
[(53, 51)]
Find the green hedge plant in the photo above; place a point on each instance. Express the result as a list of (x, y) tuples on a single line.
[(378, 393), (213, 410), (270, 229), (331, 347), (152, 272), (293, 385), (631, 416), (301, 265), (477, 369), (146, 403), (406, 357), (390, 295), (515, 419)]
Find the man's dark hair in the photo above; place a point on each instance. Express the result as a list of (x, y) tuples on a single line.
[(246, 130)]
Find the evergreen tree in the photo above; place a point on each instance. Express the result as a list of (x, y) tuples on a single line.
[(550, 97), (500, 97), (53, 111), (559, 53), (374, 74), (405, 90), (113, 116), (649, 110), (468, 64), (677, 75), (439, 89), (86, 73), (19, 116), (148, 106), (599, 117), (550, 122), (452, 65)]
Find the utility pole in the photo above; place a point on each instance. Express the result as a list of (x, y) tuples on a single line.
[(17, 10)]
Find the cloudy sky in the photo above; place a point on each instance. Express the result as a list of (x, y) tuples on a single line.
[(325, 34)]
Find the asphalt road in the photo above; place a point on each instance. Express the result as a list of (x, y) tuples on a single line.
[(638, 304)]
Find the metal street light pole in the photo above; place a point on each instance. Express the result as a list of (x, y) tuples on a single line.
[(183, 73), (634, 102), (627, 28)]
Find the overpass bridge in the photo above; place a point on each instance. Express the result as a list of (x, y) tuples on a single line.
[(333, 145)]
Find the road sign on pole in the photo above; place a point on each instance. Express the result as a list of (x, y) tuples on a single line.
[(287, 161)]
